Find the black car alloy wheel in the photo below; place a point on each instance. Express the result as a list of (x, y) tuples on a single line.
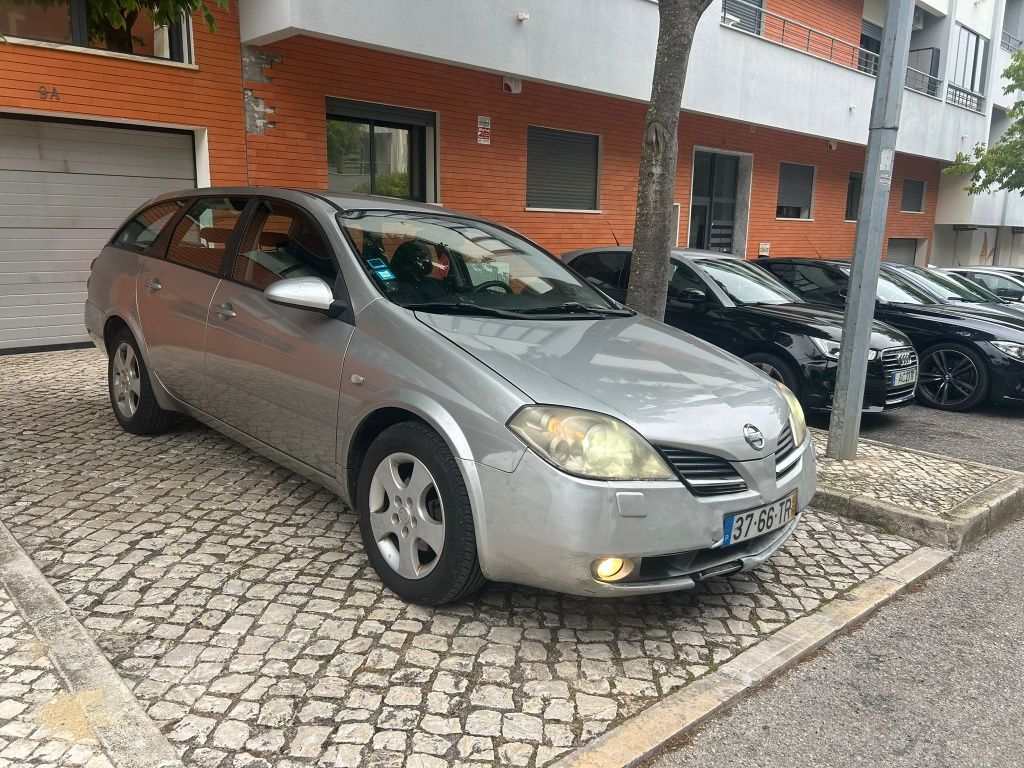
[(952, 377)]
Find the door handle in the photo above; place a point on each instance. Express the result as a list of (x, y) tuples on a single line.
[(153, 284), (226, 311)]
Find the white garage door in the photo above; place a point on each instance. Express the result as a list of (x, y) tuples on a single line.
[(64, 188)]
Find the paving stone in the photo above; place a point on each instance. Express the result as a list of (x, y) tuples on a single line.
[(236, 601)]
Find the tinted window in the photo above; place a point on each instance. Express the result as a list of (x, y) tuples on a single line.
[(281, 242), (1001, 286), (201, 238), (819, 284), (141, 232), (895, 289), (944, 287), (601, 269)]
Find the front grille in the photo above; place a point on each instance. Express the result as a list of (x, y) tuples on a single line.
[(703, 474), (896, 359), (786, 453)]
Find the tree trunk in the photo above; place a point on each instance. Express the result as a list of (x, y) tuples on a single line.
[(654, 235), (116, 38)]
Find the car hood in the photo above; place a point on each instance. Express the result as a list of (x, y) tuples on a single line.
[(671, 387), (818, 321)]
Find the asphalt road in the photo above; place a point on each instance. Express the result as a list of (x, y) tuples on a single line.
[(989, 435), (934, 680)]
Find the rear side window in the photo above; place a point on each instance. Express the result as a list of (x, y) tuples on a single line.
[(601, 269), (282, 242), (140, 233), (201, 238)]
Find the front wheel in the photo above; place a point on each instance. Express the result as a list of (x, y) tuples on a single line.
[(777, 368), (952, 377), (415, 517)]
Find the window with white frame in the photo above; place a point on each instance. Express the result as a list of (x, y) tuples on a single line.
[(562, 169), (971, 58), (796, 191), (88, 23)]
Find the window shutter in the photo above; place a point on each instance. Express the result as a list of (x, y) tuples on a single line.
[(795, 185), (561, 169), (913, 196)]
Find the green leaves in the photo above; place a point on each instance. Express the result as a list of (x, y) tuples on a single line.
[(1000, 166)]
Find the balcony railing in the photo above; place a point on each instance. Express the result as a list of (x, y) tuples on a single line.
[(775, 28), (1011, 43), (922, 82), (965, 98)]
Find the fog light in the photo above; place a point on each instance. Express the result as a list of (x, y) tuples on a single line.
[(612, 568)]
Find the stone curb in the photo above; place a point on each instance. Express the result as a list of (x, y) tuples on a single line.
[(647, 733), (974, 518), (128, 736)]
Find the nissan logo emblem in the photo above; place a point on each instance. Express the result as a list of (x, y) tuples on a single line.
[(753, 436)]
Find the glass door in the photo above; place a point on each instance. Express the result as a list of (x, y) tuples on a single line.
[(375, 158), (713, 202)]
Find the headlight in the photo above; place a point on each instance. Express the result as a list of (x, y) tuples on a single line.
[(797, 412), (830, 349), (588, 444), (1014, 350)]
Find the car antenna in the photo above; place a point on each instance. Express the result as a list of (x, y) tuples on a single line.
[(612, 230), (816, 251)]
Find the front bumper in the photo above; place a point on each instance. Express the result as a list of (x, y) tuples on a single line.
[(1006, 376), (879, 394), (543, 528)]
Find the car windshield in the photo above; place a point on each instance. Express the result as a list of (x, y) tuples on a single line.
[(746, 283), (948, 287), (897, 290), (438, 262)]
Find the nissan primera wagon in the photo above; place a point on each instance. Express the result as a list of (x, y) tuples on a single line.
[(485, 412)]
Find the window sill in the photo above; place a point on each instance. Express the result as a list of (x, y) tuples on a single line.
[(849, 221), (918, 213), (784, 218), (98, 52), (563, 210)]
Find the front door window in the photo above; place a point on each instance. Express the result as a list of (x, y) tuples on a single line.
[(713, 203)]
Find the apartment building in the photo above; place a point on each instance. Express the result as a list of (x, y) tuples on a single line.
[(525, 111)]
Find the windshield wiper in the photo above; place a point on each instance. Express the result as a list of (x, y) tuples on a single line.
[(459, 308), (575, 308)]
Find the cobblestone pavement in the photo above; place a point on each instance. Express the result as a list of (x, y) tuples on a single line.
[(926, 483), (235, 600), (40, 723)]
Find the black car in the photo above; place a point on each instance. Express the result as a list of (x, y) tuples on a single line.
[(952, 288), (969, 353), (733, 304)]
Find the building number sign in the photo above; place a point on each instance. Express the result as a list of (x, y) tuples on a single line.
[(49, 93)]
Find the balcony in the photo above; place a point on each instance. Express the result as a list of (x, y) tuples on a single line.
[(1011, 43), (962, 97), (768, 25)]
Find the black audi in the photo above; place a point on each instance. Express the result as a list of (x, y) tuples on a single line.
[(969, 353), (739, 307)]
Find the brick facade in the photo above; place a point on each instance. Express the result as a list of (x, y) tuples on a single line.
[(108, 88), (285, 87)]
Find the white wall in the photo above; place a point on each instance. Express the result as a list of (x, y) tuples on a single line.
[(607, 46), (979, 15)]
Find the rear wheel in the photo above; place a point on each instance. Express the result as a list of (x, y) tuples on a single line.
[(952, 377), (131, 393), (777, 368), (415, 517)]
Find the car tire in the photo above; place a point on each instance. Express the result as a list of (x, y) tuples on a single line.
[(967, 369), (778, 368), (131, 392), (415, 517)]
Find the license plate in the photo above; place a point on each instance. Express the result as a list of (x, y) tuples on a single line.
[(903, 376), (748, 525)]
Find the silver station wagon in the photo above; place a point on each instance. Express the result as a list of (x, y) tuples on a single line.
[(485, 412)]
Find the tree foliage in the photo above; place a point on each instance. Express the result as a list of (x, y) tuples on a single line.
[(655, 227), (110, 22), (1000, 166)]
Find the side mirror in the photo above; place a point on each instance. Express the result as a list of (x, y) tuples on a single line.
[(843, 293), (310, 293), (688, 295)]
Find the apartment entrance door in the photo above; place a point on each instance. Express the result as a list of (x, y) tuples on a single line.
[(713, 202)]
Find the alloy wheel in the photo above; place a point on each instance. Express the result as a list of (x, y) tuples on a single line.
[(948, 377), (125, 382), (406, 515)]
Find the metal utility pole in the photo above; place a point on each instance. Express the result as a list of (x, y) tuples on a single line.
[(867, 251)]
